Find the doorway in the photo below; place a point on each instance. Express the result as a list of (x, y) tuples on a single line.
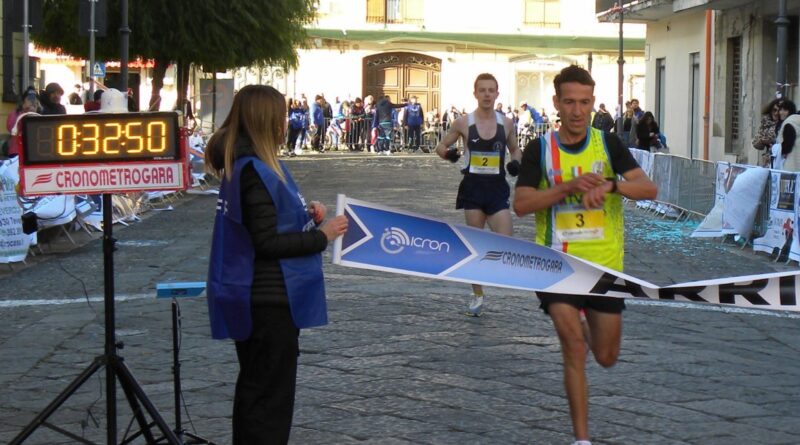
[(402, 75)]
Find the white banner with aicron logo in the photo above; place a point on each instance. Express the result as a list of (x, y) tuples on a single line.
[(103, 178), (391, 240)]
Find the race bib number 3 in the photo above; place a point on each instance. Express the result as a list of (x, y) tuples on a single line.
[(484, 163), (576, 224)]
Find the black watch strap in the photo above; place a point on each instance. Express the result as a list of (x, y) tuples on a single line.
[(613, 184)]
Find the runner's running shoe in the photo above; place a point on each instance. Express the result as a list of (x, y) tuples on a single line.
[(475, 308)]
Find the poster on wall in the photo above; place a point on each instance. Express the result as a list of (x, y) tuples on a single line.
[(782, 215), (13, 242)]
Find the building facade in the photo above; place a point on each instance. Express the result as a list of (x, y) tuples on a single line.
[(435, 49), (710, 70), (432, 49)]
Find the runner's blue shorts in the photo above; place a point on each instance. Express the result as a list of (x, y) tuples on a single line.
[(489, 195)]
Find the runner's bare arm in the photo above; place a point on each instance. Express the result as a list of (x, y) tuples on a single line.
[(450, 138), (635, 186), (511, 140), (529, 199)]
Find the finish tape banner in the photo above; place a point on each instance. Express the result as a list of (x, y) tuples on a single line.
[(391, 240)]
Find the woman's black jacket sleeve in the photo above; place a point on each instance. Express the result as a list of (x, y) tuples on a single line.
[(261, 220)]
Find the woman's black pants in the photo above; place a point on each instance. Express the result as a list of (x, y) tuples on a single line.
[(264, 399)]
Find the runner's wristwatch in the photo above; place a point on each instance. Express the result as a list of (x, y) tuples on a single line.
[(613, 184)]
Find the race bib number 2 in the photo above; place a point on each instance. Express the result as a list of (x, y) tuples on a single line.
[(484, 163), (578, 223)]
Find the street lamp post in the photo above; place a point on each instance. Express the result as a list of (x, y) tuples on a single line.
[(782, 23), (26, 28), (124, 38), (92, 35), (621, 72)]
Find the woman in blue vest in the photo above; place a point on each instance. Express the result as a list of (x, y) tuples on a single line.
[(265, 278)]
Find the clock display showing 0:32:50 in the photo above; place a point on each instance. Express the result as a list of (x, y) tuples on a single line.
[(101, 139)]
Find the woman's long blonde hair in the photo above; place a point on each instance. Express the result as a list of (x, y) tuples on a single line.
[(259, 114)]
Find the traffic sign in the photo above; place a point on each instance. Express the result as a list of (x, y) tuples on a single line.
[(99, 69)]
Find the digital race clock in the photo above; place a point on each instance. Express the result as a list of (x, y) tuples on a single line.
[(102, 153), (100, 137)]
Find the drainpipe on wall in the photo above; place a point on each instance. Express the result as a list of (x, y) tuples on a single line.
[(26, 28), (782, 23), (707, 95)]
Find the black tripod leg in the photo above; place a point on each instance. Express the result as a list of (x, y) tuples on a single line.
[(144, 426), (59, 400), (129, 384), (182, 434), (196, 440)]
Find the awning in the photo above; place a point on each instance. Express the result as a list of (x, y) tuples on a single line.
[(525, 43)]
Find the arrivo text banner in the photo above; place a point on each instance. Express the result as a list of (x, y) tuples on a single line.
[(386, 239), (104, 178)]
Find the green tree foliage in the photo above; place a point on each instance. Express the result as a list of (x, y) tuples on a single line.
[(214, 34)]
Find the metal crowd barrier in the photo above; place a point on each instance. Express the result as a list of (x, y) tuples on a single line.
[(354, 133), (687, 184), (687, 187), (528, 133), (351, 133)]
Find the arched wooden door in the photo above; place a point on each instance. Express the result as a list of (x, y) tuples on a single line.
[(402, 75)]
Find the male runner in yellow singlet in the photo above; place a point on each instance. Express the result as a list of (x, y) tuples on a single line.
[(568, 178)]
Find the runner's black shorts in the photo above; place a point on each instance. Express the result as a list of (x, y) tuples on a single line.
[(610, 305), (489, 195)]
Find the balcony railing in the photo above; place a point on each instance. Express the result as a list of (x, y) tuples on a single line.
[(395, 11)]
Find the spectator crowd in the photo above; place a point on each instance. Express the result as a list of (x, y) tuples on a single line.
[(380, 126), (377, 125)]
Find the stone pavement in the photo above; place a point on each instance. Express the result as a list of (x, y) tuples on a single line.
[(399, 363)]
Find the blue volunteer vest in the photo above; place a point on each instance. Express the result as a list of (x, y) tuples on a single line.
[(413, 114), (230, 272)]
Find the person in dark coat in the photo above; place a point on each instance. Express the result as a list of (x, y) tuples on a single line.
[(265, 277), (413, 117), (383, 120), (647, 132), (75, 97), (602, 119), (50, 99)]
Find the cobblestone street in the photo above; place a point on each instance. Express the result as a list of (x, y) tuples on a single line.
[(399, 363)]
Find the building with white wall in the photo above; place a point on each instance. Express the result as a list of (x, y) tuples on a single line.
[(711, 68), (435, 49)]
